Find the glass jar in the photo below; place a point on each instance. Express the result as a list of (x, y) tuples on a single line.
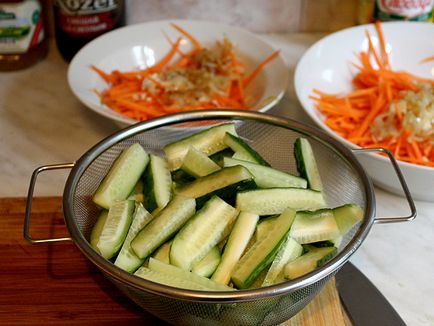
[(387, 10), (23, 39)]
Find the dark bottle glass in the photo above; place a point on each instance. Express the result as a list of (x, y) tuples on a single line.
[(77, 22)]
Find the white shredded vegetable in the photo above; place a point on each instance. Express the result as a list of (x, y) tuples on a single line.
[(417, 112)]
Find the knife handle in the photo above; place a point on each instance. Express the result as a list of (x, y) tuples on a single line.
[(30, 200), (404, 186)]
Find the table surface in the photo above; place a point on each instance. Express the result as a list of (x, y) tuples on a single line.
[(43, 123), (72, 291)]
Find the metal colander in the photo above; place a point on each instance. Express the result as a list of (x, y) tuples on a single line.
[(344, 181)]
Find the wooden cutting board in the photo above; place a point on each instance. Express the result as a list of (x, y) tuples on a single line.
[(53, 284)]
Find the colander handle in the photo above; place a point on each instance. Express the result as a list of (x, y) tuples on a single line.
[(404, 186), (30, 199)]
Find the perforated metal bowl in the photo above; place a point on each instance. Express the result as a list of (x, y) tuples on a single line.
[(344, 179)]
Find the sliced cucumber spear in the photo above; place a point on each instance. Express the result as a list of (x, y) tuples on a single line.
[(306, 163), (243, 151), (174, 271), (170, 280), (137, 193), (347, 216), (97, 229), (164, 225), (115, 228), (222, 183), (262, 253), (163, 252), (308, 262), (198, 164), (240, 236), (122, 176), (202, 232), (314, 226), (127, 259), (275, 200), (208, 264), (289, 251), (264, 225), (267, 177), (209, 141), (158, 183)]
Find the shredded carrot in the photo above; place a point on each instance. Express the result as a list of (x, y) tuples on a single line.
[(428, 59), (376, 91), (261, 66), (199, 78), (382, 40)]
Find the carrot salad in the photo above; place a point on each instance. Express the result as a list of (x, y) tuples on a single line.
[(201, 78), (387, 108)]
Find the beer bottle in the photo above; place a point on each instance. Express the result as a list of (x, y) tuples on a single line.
[(77, 22)]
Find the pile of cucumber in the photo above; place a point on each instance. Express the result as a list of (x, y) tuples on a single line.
[(213, 215)]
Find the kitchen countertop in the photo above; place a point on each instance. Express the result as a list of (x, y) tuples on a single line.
[(43, 123)]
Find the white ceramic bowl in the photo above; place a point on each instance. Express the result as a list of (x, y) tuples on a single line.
[(327, 66), (142, 45)]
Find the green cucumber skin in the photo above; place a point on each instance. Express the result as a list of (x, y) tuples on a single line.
[(326, 258), (240, 236), (265, 263), (289, 251), (219, 156), (115, 186), (298, 154), (209, 141), (247, 271), (164, 225), (308, 262), (227, 192), (314, 182), (268, 177), (235, 143), (154, 200), (150, 201)]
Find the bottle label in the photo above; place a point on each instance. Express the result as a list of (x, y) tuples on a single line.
[(414, 10), (86, 17), (21, 26)]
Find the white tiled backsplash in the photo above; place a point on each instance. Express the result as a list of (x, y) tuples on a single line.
[(254, 15)]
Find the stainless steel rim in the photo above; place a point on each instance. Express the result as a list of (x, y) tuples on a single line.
[(203, 296)]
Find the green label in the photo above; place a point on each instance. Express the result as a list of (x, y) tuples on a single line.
[(18, 21), (6, 15)]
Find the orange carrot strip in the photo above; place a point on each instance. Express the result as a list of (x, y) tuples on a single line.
[(428, 59), (192, 39), (380, 34), (258, 69), (163, 62), (374, 52)]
